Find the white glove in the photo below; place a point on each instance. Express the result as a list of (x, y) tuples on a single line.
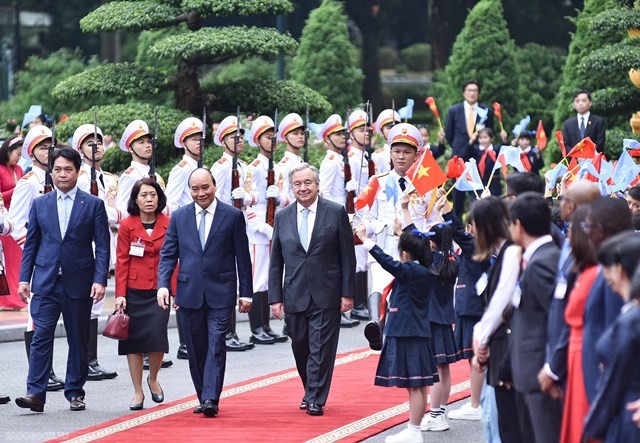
[(266, 229), (273, 192), (351, 186), (239, 194)]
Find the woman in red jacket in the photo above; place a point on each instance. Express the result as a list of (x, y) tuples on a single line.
[(140, 239), (10, 171)]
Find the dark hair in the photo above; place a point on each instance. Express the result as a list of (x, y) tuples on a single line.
[(491, 220), (582, 249), (635, 221), (533, 213), (521, 182), (447, 268), (423, 126), (417, 246), (622, 249), (634, 192), (68, 154), (213, 179), (486, 130), (635, 285), (470, 82), (582, 91), (5, 150), (525, 134), (132, 205), (613, 214)]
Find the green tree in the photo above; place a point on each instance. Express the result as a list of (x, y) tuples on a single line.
[(326, 60), (484, 51)]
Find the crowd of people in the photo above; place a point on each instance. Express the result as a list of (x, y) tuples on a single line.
[(537, 289)]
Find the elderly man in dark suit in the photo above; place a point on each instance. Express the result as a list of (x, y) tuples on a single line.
[(209, 238), (540, 416), (313, 248), (584, 124), (463, 122), (66, 276)]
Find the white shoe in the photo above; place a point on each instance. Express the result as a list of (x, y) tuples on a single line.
[(429, 423), (466, 412), (405, 436)]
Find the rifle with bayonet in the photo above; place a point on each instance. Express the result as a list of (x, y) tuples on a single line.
[(154, 146), (351, 195), (271, 202), (48, 180), (368, 147), (204, 136), (235, 174), (305, 154), (94, 148)]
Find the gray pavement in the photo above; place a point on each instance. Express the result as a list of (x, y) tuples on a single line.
[(109, 399)]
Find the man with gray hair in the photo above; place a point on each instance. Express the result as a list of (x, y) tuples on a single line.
[(312, 247)]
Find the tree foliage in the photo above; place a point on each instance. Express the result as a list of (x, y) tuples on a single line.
[(237, 7), (484, 51), (134, 16), (326, 60)]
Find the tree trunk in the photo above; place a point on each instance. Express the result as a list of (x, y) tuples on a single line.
[(439, 50), (188, 94)]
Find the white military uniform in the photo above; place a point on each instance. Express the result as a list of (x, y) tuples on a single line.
[(221, 171), (382, 156), (290, 160), (177, 192), (332, 178)]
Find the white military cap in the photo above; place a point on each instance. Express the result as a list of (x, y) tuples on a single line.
[(259, 127), (332, 125), (187, 127), (82, 132), (384, 118), (406, 133), (134, 131), (289, 123), (226, 127), (36, 135), (356, 119)]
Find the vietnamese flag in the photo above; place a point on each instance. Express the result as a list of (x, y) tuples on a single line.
[(455, 167), (541, 136), (432, 105), (425, 174), (560, 139), (497, 110), (368, 195), (585, 148)]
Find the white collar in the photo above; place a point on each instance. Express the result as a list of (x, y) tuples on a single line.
[(211, 209), (72, 193), (313, 207), (586, 116), (533, 247), (191, 162)]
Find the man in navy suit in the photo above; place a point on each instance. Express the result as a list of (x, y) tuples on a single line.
[(209, 238), (463, 122), (66, 277), (312, 248), (584, 124)]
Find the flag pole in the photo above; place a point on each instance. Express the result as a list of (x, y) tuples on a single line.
[(490, 179)]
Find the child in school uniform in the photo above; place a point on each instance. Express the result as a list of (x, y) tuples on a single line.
[(442, 316), (486, 155), (406, 360), (531, 156)]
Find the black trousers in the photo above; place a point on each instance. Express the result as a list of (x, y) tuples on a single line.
[(509, 421), (542, 414), (314, 341)]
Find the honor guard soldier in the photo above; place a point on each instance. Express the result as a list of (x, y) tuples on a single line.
[(381, 156), (84, 139), (291, 133), (189, 136), (406, 145), (332, 181), (259, 231), (136, 140), (35, 148), (231, 137)]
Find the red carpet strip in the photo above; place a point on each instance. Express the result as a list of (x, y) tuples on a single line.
[(265, 409)]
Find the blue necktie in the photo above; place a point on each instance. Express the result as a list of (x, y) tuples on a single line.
[(304, 229), (203, 228), (65, 217), (582, 127)]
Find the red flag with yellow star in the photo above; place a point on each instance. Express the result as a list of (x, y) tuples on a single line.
[(585, 148), (368, 195), (541, 136), (426, 174)]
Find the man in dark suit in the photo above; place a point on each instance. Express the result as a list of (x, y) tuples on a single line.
[(209, 238), (540, 416), (313, 248), (463, 122), (66, 277), (584, 124)]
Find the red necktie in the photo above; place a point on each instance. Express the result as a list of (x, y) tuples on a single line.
[(383, 299), (482, 165), (525, 162)]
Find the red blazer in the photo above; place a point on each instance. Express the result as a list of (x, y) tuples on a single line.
[(138, 272), (8, 182)]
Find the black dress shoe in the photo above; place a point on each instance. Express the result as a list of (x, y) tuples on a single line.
[(279, 338), (95, 368), (166, 363), (235, 345), (137, 406), (373, 334), (77, 404), (209, 408), (158, 398), (4, 399), (360, 313), (30, 402), (315, 409), (182, 352), (94, 374), (54, 383), (303, 404), (198, 410), (346, 322), (260, 337)]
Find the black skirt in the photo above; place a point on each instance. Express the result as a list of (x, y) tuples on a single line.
[(147, 326), (406, 362), (443, 344), (463, 334)]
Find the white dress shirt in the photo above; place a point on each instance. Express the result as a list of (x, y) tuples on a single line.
[(311, 218), (211, 210), (65, 205)]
